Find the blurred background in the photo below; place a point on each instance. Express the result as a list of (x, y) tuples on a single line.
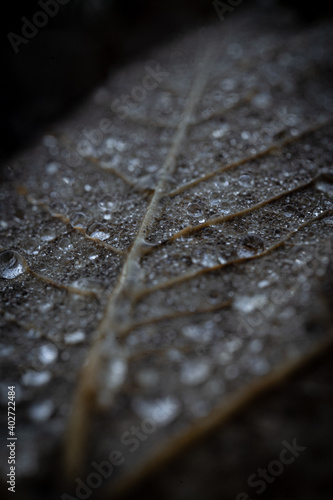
[(45, 75)]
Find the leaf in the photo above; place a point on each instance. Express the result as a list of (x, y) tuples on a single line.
[(170, 249)]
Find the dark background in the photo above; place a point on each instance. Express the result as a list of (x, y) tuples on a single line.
[(80, 45)]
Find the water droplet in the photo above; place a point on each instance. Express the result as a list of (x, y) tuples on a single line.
[(248, 304), (253, 242), (36, 379), (215, 198), (99, 231), (195, 372), (106, 203), (78, 219), (12, 264), (263, 284), (41, 412), (47, 353), (262, 101), (52, 168), (246, 180), (46, 307), (65, 244), (220, 132), (163, 410), (74, 337), (47, 234), (289, 210), (57, 208), (194, 208), (115, 373)]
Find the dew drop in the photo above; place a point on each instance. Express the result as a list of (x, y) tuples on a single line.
[(45, 307), (74, 337), (115, 373), (36, 379), (99, 231), (47, 353), (106, 203), (162, 410), (65, 244), (247, 304), (194, 208), (52, 168), (41, 412), (12, 264), (289, 210), (246, 180), (57, 208), (78, 219), (215, 198), (47, 234), (253, 242), (262, 101)]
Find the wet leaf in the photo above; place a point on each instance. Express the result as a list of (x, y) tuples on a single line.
[(176, 232)]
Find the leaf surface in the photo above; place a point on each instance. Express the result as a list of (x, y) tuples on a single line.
[(174, 260)]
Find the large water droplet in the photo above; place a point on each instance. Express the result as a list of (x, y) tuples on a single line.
[(253, 242), (99, 231), (47, 234), (65, 244), (289, 210), (57, 208), (194, 208), (106, 203), (12, 264), (215, 198), (246, 180), (78, 219)]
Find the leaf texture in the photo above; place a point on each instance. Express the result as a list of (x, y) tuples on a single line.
[(169, 265)]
